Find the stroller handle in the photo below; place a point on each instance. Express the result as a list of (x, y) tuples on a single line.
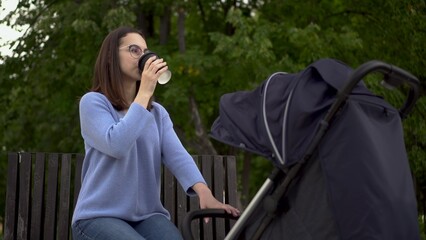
[(393, 78), (201, 213)]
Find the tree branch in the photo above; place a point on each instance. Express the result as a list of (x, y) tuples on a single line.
[(205, 144)]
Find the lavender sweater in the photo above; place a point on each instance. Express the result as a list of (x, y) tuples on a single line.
[(121, 170)]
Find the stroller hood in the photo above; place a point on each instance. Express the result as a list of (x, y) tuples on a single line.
[(292, 105)]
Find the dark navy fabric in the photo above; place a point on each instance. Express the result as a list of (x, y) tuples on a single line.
[(362, 157), (240, 121), (309, 216), (367, 173)]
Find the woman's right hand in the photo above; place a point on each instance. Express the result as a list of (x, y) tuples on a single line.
[(151, 72)]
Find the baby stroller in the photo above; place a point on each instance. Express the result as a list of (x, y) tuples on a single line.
[(340, 164)]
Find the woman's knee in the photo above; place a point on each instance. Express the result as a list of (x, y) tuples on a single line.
[(158, 227)]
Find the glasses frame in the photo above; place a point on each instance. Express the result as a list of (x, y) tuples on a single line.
[(131, 53)]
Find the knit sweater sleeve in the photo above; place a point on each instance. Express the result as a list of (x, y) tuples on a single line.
[(177, 159), (101, 130)]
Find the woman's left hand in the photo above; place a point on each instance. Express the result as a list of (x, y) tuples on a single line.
[(207, 200)]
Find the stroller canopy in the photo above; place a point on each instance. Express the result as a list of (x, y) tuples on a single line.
[(292, 106), (362, 157)]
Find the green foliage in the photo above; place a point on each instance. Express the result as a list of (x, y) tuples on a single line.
[(230, 46), (247, 55), (119, 16), (415, 140)]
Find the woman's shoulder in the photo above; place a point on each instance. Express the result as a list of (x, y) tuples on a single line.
[(91, 99), (93, 96)]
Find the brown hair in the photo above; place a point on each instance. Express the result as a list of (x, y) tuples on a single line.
[(107, 73)]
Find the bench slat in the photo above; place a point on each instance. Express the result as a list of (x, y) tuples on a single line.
[(206, 169), (219, 170), (77, 176), (51, 193), (38, 191), (64, 198), (194, 203), (24, 196), (182, 204), (11, 196), (41, 186), (231, 185)]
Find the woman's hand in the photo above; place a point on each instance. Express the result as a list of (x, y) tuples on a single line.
[(207, 200), (151, 72)]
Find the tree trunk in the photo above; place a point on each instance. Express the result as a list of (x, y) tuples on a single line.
[(246, 178), (165, 26), (181, 30), (203, 144), (145, 22)]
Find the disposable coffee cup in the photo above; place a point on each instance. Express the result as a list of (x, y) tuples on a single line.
[(164, 77)]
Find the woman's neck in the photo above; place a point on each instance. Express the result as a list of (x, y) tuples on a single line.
[(129, 91)]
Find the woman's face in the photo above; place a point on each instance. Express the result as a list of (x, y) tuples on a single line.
[(131, 49)]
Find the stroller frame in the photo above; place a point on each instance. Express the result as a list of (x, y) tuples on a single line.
[(279, 181)]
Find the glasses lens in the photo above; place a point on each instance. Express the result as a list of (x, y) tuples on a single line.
[(135, 51)]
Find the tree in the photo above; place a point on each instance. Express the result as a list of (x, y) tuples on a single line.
[(212, 47)]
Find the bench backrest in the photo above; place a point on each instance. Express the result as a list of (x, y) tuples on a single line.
[(42, 189)]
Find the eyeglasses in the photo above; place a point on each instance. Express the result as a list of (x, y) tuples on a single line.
[(134, 50)]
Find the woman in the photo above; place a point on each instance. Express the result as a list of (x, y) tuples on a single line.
[(127, 137)]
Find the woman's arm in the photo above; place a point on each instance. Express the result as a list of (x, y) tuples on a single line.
[(103, 130)]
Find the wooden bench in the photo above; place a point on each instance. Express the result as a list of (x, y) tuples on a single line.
[(42, 189)]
